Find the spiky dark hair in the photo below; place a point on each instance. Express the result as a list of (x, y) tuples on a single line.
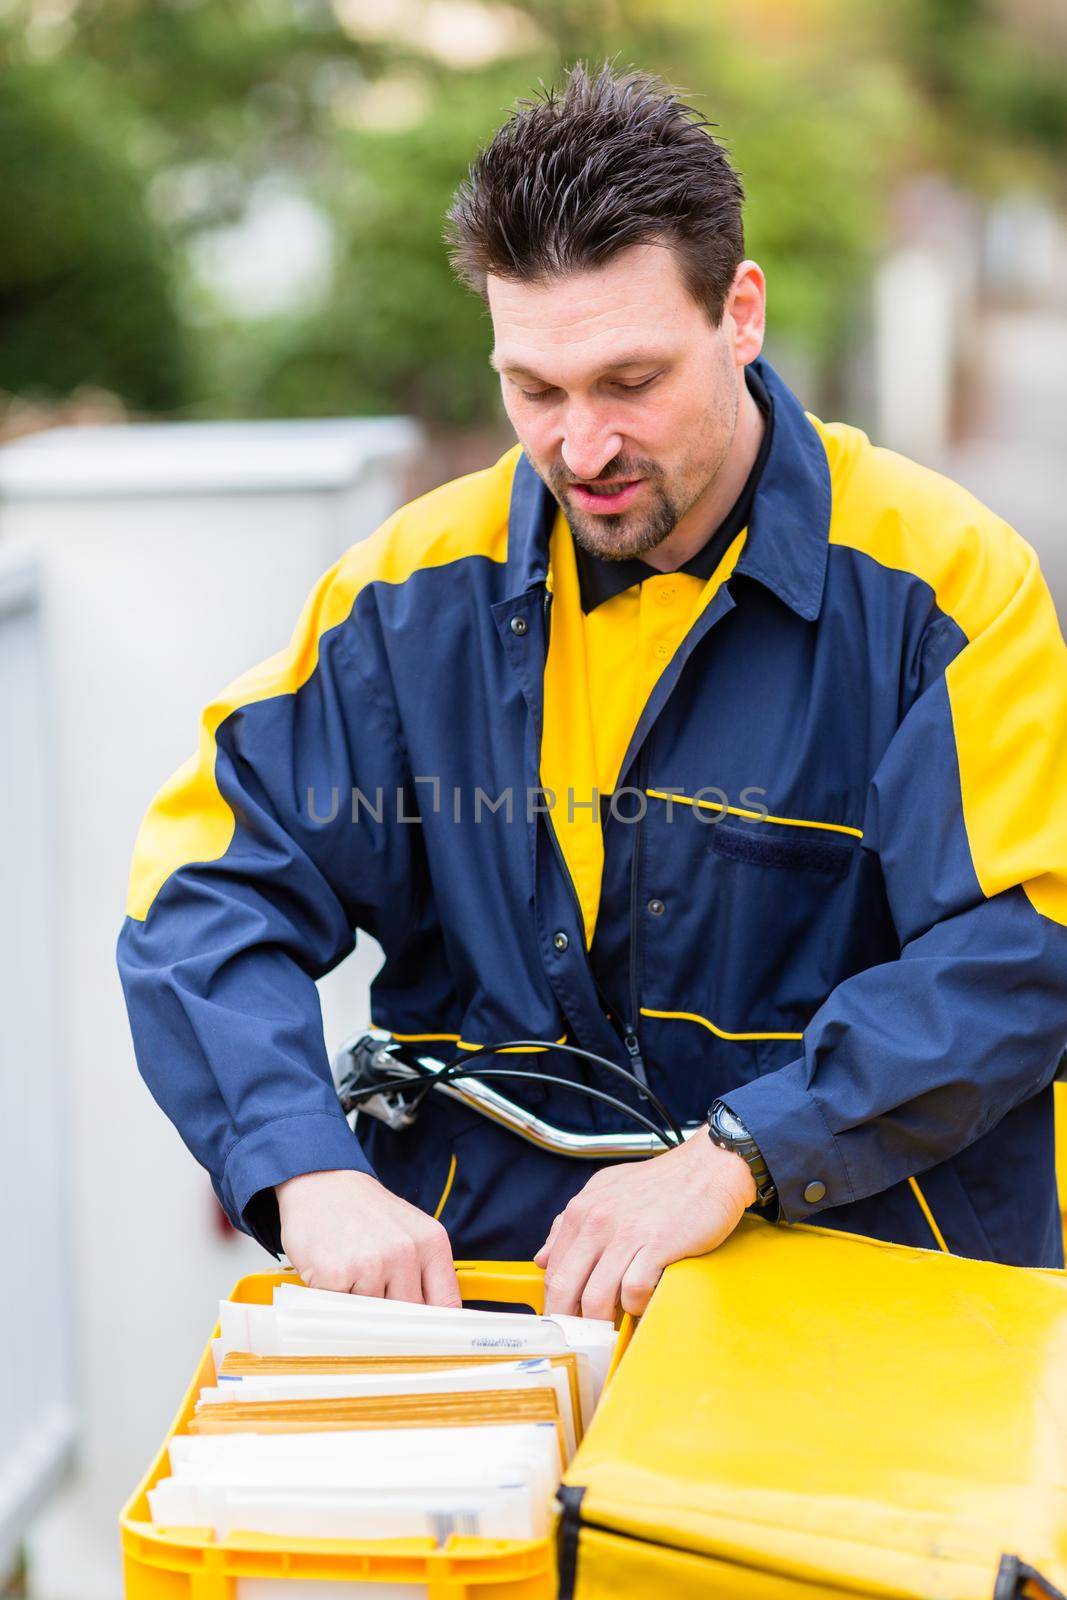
[(576, 174)]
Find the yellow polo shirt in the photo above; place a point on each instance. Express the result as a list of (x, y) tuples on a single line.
[(601, 668)]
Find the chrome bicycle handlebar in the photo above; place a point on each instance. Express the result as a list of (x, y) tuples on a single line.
[(376, 1057)]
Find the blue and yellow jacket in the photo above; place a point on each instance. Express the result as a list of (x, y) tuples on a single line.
[(831, 886)]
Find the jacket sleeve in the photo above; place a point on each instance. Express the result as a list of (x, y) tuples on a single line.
[(907, 1063), (251, 872)]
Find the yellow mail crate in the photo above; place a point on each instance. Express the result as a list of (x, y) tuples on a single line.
[(162, 1564)]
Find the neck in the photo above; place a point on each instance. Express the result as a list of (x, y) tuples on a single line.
[(704, 516)]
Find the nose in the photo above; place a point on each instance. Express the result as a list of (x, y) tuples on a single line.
[(588, 445)]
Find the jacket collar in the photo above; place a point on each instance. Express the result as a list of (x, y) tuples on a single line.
[(786, 548), (789, 529)]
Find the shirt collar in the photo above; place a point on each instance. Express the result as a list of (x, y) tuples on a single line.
[(788, 523)]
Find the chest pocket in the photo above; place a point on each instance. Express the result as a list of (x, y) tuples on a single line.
[(767, 850), (756, 924)]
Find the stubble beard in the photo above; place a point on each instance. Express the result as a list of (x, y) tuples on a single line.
[(629, 535)]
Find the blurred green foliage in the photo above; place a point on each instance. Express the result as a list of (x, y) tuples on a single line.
[(86, 279), (133, 131)]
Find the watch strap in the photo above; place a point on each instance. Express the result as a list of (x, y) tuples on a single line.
[(730, 1133)]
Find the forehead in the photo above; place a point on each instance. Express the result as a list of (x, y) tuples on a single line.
[(587, 320)]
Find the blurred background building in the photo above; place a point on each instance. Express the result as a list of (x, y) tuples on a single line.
[(221, 273)]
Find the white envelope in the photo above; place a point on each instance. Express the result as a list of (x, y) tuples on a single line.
[(533, 1374)]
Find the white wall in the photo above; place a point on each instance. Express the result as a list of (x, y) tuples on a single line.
[(173, 557), (36, 1302)]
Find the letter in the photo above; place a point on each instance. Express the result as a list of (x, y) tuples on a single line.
[(638, 816), (335, 801), (592, 805), (669, 790), (754, 788), (360, 799), (507, 795), (436, 782), (533, 809), (401, 814), (717, 808)]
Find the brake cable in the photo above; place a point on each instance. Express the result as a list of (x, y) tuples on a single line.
[(424, 1083), (448, 1073)]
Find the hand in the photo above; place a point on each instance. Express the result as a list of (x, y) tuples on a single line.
[(616, 1236), (346, 1231)]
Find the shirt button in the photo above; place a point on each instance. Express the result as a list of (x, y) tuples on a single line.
[(665, 596), (661, 650), (518, 626), (656, 907), (815, 1192), (560, 941)]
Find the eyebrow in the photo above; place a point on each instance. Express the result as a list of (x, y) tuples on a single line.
[(635, 358)]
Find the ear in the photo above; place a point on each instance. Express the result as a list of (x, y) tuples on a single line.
[(746, 309)]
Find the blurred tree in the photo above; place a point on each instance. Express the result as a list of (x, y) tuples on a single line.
[(398, 332), (371, 114), (86, 278), (997, 88), (127, 131)]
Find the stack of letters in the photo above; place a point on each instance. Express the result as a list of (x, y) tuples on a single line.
[(341, 1416)]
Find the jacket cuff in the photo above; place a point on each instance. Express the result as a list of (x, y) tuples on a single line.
[(313, 1141), (801, 1153)]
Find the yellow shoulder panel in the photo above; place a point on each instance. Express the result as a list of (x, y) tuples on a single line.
[(189, 820), (1008, 687)]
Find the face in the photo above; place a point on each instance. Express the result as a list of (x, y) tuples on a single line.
[(623, 395)]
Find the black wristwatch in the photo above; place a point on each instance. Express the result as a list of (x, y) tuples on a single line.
[(730, 1133)]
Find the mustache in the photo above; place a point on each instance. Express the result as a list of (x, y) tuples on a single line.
[(624, 467)]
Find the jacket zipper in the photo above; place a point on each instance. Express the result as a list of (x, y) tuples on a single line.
[(631, 1039), (556, 846)]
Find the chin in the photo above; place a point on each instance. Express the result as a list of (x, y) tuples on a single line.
[(609, 538), (613, 538)]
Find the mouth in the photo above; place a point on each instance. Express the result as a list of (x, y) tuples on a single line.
[(607, 498)]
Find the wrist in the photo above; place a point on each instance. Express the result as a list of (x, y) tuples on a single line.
[(730, 1134), (738, 1175), (304, 1182)]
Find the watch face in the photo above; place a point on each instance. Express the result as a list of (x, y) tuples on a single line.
[(728, 1125)]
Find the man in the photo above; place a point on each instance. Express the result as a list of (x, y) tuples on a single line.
[(793, 712)]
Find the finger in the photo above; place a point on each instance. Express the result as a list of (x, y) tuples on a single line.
[(343, 1275), (546, 1249), (404, 1274), (639, 1280), (574, 1220), (604, 1286), (568, 1272), (365, 1275), (440, 1286)]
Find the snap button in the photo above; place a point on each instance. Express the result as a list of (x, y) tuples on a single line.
[(656, 907), (661, 650), (815, 1192), (518, 626), (560, 941)]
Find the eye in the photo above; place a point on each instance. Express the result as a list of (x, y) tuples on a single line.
[(634, 388), (539, 394)]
